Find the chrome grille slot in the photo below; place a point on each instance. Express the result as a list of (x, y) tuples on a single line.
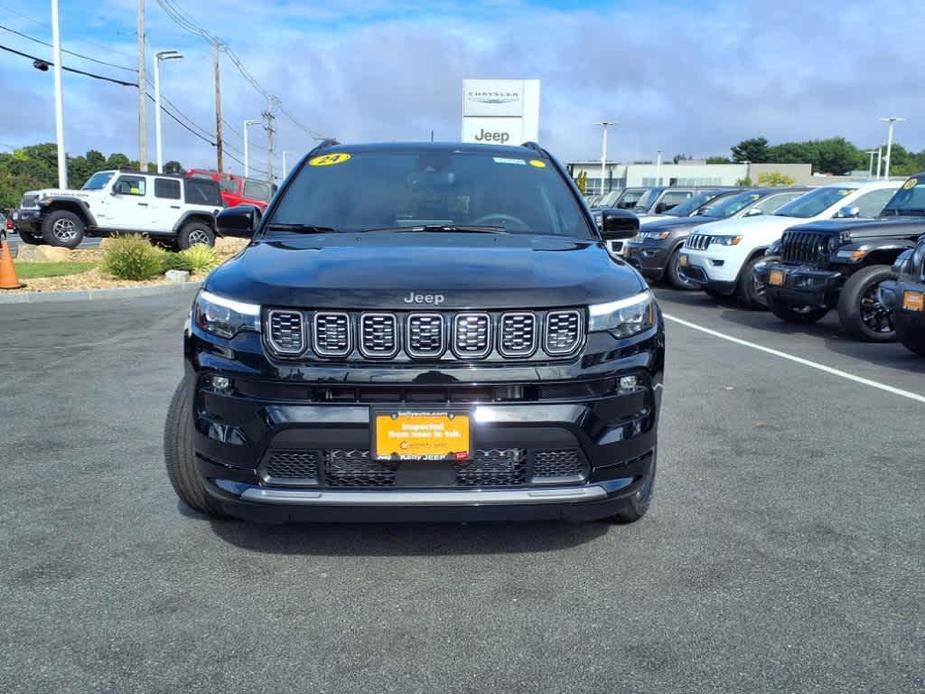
[(378, 335), (699, 242), (518, 335), (425, 336), (471, 335), (332, 334), (287, 332), (563, 332)]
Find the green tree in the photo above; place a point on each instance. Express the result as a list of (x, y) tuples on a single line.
[(719, 160), (173, 167), (775, 178), (754, 150)]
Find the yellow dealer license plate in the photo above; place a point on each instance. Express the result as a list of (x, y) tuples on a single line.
[(421, 436), (914, 301), (776, 278), (682, 261)]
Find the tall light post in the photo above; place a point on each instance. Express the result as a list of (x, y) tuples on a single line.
[(658, 168), (158, 57), (59, 98), (286, 168), (889, 142), (248, 123), (870, 166), (604, 124)]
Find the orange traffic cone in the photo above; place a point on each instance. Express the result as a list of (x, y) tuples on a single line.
[(8, 279)]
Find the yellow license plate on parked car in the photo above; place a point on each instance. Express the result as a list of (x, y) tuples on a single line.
[(776, 278), (421, 436), (913, 301), (682, 261)]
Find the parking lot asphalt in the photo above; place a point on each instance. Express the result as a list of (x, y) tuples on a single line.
[(783, 552)]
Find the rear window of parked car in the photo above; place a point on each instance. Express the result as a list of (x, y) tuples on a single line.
[(202, 192), (256, 190), (167, 188)]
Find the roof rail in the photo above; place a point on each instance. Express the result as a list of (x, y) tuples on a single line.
[(536, 148)]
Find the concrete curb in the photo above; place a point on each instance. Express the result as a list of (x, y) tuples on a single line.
[(94, 294)]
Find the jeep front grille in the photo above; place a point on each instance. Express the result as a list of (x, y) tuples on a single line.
[(378, 335), (805, 248), (698, 242), (29, 201), (471, 335), (447, 335), (332, 334), (287, 332), (425, 335), (518, 335), (563, 332)]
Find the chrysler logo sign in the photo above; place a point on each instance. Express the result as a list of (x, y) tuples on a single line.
[(493, 97)]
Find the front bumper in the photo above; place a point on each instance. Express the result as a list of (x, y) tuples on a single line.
[(650, 259), (27, 219), (707, 272), (802, 285), (611, 432)]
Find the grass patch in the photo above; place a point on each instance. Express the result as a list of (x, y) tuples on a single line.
[(26, 271)]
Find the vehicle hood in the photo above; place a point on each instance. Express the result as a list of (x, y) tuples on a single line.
[(380, 270), (867, 228), (676, 223), (62, 193), (765, 225)]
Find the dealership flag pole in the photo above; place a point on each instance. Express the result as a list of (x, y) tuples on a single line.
[(59, 98), (604, 124)]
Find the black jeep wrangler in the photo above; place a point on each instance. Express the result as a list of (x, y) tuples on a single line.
[(841, 263), (905, 297), (421, 331)]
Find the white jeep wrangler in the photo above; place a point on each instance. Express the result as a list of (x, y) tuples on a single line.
[(167, 208)]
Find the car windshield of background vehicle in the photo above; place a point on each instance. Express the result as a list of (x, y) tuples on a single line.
[(815, 202), (98, 180), (646, 200), (729, 206), (630, 197), (908, 200), (685, 208), (358, 191)]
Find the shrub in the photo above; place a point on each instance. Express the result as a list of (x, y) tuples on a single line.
[(199, 258), (176, 261), (132, 257)]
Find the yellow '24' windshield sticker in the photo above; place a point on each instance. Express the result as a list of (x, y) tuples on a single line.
[(329, 159)]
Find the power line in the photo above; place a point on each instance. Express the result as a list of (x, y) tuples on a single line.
[(70, 69), (64, 50)]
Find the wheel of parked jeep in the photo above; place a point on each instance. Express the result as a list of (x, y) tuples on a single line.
[(640, 501), (63, 228), (911, 340), (860, 311), (179, 456), (673, 273), (29, 238), (195, 233), (794, 313), (752, 290)]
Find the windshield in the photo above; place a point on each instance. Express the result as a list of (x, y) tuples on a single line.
[(358, 191), (813, 203), (908, 200), (686, 208), (630, 197), (729, 206), (98, 180), (644, 202)]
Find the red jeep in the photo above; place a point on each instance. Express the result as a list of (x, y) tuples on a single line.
[(237, 190)]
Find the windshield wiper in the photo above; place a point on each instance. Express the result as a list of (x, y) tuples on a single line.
[(299, 228), (462, 228)]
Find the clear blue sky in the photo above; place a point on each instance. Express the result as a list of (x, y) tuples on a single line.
[(692, 77)]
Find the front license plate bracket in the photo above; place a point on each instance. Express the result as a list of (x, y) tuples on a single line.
[(421, 435)]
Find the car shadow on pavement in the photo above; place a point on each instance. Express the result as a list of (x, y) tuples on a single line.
[(406, 539)]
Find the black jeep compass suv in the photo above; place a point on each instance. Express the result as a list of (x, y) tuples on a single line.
[(420, 331)]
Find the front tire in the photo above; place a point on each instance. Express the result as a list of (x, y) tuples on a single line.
[(673, 274), (801, 315), (752, 291), (195, 233), (179, 456), (638, 505), (859, 308), (63, 228), (29, 238)]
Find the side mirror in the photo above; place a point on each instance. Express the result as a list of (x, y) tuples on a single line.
[(663, 207), (850, 212), (618, 224), (754, 212), (239, 221)]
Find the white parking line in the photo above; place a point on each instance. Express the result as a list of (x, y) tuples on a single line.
[(800, 360)]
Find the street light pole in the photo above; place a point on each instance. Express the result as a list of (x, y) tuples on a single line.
[(889, 142), (870, 166), (246, 153), (285, 168), (658, 168), (59, 98), (604, 124), (158, 57)]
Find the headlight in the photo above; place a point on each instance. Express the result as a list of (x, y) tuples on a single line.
[(663, 235), (774, 248), (834, 243), (625, 317), (726, 240), (224, 317)]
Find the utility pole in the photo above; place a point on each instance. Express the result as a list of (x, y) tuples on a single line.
[(268, 118), (658, 168), (604, 124), (219, 147), (889, 143), (142, 91), (59, 97)]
